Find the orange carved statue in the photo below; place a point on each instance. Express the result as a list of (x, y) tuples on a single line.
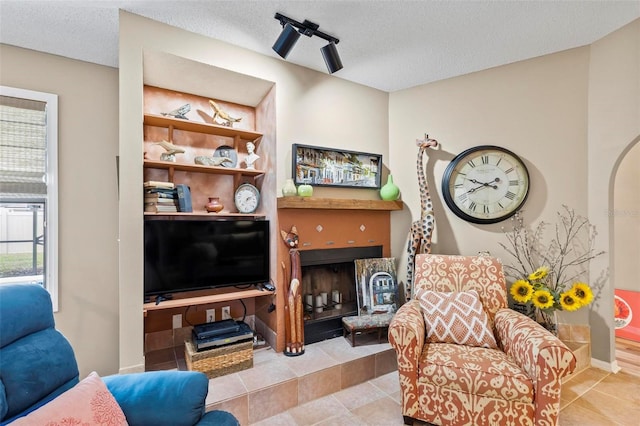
[(294, 312)]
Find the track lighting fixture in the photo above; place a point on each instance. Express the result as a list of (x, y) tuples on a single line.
[(290, 34)]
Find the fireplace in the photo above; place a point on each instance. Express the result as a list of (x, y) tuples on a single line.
[(332, 232), (329, 290)]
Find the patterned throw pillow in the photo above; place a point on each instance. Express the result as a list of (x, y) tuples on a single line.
[(456, 317), (87, 403)]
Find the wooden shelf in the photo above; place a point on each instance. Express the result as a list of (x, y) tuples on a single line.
[(197, 168), (203, 213), (194, 126), (337, 204), (203, 300)]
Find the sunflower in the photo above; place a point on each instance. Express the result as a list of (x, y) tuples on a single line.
[(569, 302), (542, 299), (582, 292), (521, 291), (539, 273)]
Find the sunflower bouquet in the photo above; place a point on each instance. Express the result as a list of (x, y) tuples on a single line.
[(554, 286), (536, 290)]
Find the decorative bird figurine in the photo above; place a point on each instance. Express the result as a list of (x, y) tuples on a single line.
[(171, 149), (211, 161), (179, 112), (218, 112)]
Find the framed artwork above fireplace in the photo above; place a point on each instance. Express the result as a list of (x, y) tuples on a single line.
[(317, 166)]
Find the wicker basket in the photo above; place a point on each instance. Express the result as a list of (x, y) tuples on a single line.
[(219, 361)]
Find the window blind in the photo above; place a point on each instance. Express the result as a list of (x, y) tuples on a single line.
[(23, 143)]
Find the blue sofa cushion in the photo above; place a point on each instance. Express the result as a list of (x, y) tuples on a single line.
[(171, 398), (36, 369), (25, 309)]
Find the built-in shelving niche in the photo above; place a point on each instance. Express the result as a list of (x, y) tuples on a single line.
[(183, 75)]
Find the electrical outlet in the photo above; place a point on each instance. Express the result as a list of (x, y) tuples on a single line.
[(177, 321), (226, 312), (211, 315)]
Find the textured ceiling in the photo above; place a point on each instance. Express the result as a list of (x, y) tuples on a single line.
[(389, 45)]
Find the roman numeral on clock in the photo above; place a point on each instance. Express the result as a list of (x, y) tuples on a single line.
[(510, 195)]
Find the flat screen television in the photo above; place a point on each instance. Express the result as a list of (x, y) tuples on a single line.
[(187, 255)]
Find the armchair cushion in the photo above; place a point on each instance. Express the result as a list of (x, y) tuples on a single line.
[(456, 317), (88, 402), (474, 371)]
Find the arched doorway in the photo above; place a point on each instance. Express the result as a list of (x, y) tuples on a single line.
[(625, 243)]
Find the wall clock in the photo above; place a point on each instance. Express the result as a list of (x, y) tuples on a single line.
[(247, 198), (485, 184)]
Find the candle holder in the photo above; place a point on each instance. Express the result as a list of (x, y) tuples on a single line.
[(319, 305), (308, 302)]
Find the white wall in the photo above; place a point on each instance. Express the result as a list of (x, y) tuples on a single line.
[(88, 220), (535, 108)]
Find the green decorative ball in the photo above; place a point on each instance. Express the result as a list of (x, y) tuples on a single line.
[(305, 190)]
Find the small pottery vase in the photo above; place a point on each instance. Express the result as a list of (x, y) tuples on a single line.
[(214, 205), (390, 191), (305, 190), (289, 189)]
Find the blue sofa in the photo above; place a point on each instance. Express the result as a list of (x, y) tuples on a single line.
[(37, 364)]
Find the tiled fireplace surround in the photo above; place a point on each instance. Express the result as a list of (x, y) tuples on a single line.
[(278, 383)]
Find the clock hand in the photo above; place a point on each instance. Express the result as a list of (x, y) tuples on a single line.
[(485, 183), (472, 190)]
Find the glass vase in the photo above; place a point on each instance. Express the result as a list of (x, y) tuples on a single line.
[(547, 319)]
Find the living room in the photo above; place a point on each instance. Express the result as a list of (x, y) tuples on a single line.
[(572, 115)]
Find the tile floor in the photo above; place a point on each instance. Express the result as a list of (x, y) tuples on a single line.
[(591, 398), (335, 384)]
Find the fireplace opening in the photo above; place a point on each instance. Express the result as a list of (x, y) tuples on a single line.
[(329, 289)]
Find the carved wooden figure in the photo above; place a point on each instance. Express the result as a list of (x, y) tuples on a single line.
[(422, 229), (294, 310)]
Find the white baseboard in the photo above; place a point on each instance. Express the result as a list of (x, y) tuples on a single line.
[(132, 369), (611, 367)]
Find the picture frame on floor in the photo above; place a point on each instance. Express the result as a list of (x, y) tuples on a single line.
[(376, 285)]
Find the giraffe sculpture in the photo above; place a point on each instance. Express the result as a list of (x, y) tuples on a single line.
[(422, 229)]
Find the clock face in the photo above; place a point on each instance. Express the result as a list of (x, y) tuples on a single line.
[(485, 184), (247, 198)]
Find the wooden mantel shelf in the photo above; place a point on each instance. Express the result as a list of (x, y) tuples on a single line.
[(337, 204)]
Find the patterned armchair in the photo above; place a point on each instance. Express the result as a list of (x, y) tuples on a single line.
[(515, 382)]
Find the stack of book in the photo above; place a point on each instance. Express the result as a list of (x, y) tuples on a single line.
[(166, 197), (160, 197)]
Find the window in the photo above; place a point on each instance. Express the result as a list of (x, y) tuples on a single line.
[(28, 188)]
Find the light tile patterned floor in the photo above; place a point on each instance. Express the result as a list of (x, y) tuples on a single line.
[(592, 397)]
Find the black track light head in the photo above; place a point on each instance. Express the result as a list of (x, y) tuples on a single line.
[(291, 33), (287, 39), (331, 58)]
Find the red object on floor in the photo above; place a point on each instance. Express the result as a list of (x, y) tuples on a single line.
[(627, 314)]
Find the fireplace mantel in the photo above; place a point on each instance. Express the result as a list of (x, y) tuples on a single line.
[(337, 204)]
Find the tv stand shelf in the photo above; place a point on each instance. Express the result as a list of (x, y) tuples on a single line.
[(203, 300)]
